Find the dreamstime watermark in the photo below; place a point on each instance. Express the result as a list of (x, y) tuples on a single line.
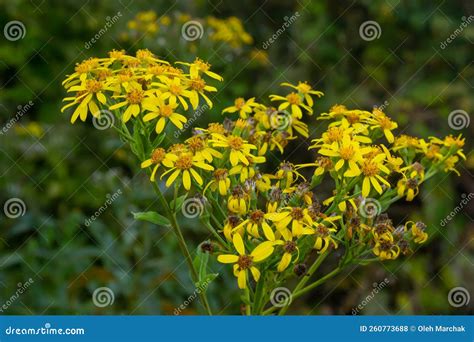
[(383, 106), (21, 110), (281, 297), (370, 207), (459, 296), (458, 119), (103, 296), (103, 120), (14, 208), (465, 200), (14, 30), (109, 22), (193, 207), (280, 120), (377, 287), (46, 330), (465, 22), (370, 30), (197, 113), (192, 30), (110, 199), (288, 21), (177, 311), (21, 288)]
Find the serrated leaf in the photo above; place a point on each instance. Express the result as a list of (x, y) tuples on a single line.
[(151, 216)]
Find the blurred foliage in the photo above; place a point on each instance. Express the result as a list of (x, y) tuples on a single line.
[(65, 174)]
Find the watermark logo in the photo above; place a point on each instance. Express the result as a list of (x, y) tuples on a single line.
[(288, 21), (370, 30), (109, 22), (14, 208), (464, 23), (459, 296), (465, 200), (192, 30), (192, 207), (14, 30), (281, 297), (280, 120), (21, 288), (376, 289), (192, 297), (110, 199), (370, 207), (199, 111), (103, 120), (21, 110), (458, 119), (103, 296)]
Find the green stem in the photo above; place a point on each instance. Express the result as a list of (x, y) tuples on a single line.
[(317, 283), (247, 305), (183, 246)]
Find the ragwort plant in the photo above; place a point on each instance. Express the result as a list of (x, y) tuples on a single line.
[(270, 227)]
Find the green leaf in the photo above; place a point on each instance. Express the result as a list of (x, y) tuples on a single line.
[(151, 216), (179, 203), (158, 140)]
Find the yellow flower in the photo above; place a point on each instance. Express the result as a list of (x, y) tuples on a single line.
[(200, 147), (240, 150), (247, 171), (199, 66), (323, 237), (295, 217), (82, 70), (371, 169), (289, 248), (407, 187), (306, 90), (294, 101), (230, 223), (220, 181), (157, 156), (197, 86), (164, 111), (237, 202), (385, 248), (288, 173), (417, 231), (174, 89), (450, 163), (244, 107), (346, 152), (383, 121), (244, 262), (184, 164), (255, 223), (135, 99), (86, 95)]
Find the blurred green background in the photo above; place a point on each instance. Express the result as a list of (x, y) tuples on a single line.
[(64, 174)]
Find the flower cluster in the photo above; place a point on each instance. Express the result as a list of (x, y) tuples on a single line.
[(226, 34), (267, 224), (140, 86)]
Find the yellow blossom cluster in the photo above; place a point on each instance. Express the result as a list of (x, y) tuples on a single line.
[(267, 224)]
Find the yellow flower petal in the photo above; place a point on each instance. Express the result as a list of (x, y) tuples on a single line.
[(228, 258), (238, 244), (262, 251)]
